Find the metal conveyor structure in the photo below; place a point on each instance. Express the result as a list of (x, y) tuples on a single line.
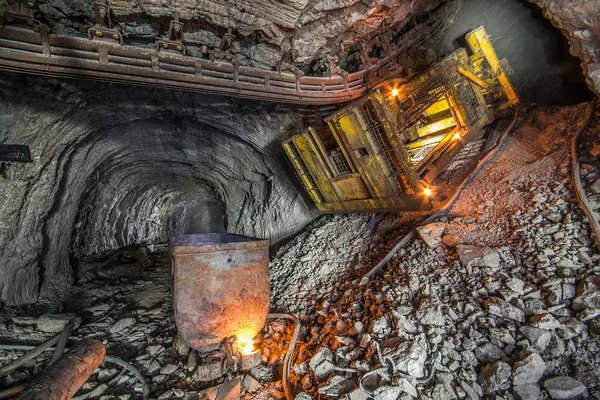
[(28, 46)]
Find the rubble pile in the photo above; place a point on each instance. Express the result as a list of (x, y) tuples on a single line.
[(322, 252), (133, 317), (502, 328), (502, 300)]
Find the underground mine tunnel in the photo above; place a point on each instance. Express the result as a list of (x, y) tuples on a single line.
[(299, 199)]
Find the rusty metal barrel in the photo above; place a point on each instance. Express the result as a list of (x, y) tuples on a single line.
[(221, 287)]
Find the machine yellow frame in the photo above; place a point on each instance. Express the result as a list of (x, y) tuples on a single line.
[(381, 153)]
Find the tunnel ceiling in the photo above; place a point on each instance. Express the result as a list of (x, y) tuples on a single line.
[(264, 30), (349, 34)]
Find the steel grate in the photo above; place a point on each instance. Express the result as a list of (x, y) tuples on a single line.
[(420, 153), (385, 149), (340, 163)]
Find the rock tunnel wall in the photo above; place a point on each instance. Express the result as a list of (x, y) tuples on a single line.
[(579, 20), (116, 165), (264, 30)]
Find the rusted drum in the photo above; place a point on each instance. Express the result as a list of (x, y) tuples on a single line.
[(221, 287)]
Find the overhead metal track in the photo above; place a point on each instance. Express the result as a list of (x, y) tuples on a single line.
[(27, 46), (62, 56)]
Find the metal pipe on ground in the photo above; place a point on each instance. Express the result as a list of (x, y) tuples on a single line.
[(576, 177), (34, 352), (12, 392), (64, 378), (62, 341), (107, 359)]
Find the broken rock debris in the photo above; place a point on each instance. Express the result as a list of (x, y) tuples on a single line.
[(494, 302)]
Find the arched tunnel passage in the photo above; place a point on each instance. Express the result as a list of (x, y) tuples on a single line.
[(147, 211), (119, 165), (149, 176)]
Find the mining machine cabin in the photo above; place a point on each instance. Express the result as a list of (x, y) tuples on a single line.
[(380, 153)]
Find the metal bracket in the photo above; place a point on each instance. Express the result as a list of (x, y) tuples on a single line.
[(333, 68), (223, 52), (286, 64), (103, 29), (21, 14), (174, 43), (365, 59)]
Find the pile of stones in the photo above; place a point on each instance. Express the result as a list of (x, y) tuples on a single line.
[(465, 321), (492, 301), (500, 302)]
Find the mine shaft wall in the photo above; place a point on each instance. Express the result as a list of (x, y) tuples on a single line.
[(116, 165)]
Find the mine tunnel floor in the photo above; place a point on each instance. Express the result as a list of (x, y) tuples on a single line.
[(497, 279)]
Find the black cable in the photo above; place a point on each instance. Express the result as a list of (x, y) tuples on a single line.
[(581, 196)]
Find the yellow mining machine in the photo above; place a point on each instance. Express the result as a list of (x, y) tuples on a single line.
[(381, 152)]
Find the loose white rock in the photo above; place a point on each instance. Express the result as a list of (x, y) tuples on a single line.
[(564, 387), (588, 294), (122, 324), (53, 323), (538, 338), (478, 256), (429, 312), (387, 393), (544, 321), (336, 387), (528, 370), (432, 233), (529, 391), (493, 377), (501, 308)]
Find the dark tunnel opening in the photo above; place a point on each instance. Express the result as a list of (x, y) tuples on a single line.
[(544, 70)]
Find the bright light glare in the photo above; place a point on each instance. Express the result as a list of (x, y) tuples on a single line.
[(427, 192), (246, 345), (457, 136), (394, 92)]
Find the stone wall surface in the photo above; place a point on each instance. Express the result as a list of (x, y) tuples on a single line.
[(580, 22), (265, 29), (116, 165)]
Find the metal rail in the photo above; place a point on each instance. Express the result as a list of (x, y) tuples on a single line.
[(444, 208), (41, 53)]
